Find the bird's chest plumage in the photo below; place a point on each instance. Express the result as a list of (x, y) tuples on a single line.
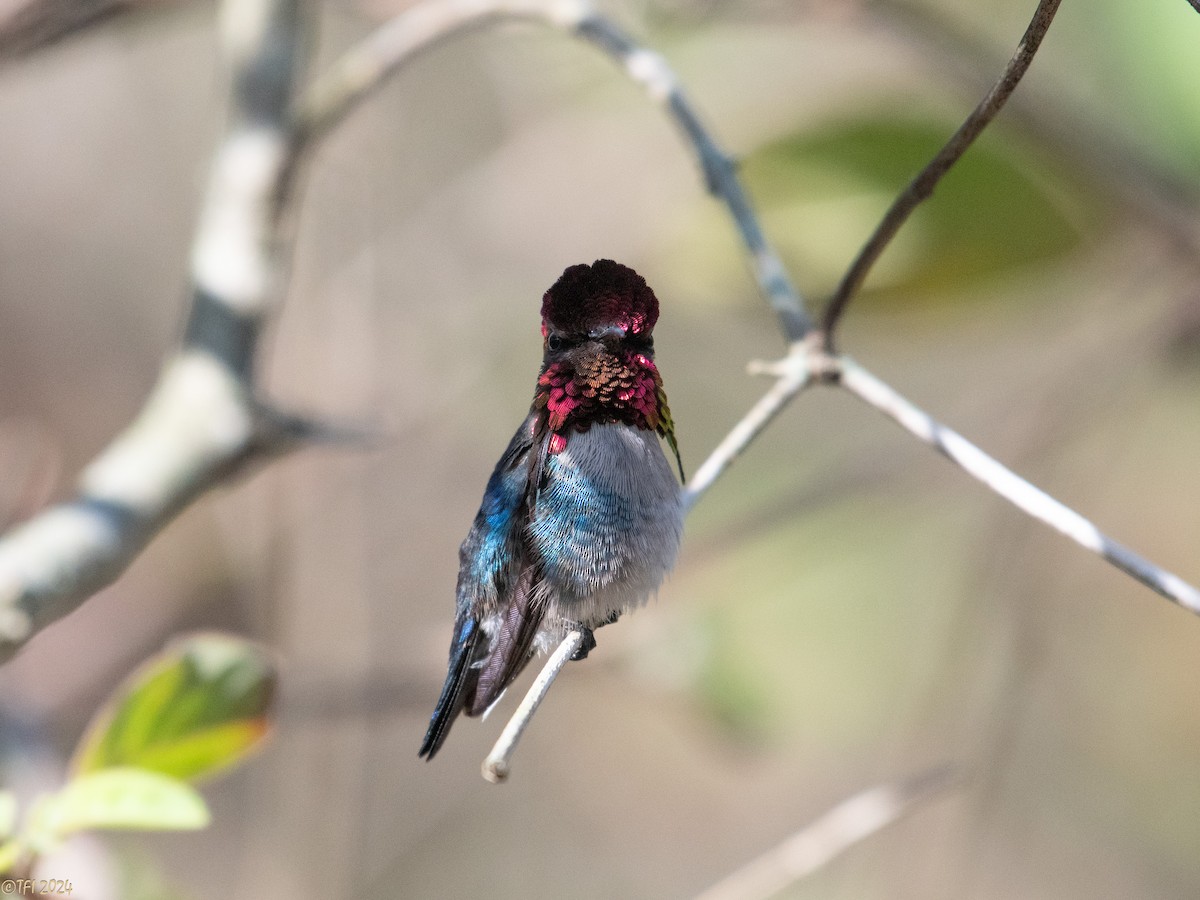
[(606, 522)]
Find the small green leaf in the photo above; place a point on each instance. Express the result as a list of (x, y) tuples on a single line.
[(198, 707), (120, 798)]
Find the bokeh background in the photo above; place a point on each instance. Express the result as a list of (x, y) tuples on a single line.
[(848, 607)]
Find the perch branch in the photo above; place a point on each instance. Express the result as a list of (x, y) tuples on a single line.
[(1013, 488), (366, 66), (822, 841), (202, 423), (922, 187), (498, 763)]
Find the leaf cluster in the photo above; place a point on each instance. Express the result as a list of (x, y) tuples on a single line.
[(194, 710)]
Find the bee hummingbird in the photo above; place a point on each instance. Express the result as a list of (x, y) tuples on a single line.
[(582, 517)]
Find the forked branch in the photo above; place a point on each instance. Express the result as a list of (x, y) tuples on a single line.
[(809, 358)]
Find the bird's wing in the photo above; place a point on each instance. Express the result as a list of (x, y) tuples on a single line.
[(495, 581), (520, 595)]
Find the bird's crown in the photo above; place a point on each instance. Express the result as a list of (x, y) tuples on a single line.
[(586, 298)]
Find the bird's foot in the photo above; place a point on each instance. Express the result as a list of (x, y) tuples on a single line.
[(589, 636), (587, 645)]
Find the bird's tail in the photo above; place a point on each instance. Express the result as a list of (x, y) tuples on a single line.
[(459, 687)]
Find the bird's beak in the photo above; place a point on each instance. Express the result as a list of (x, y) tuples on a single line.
[(608, 333)]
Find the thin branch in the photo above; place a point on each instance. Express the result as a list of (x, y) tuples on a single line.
[(795, 372), (498, 764), (368, 65), (365, 67), (922, 187), (1013, 488), (1147, 187), (822, 841), (30, 25), (651, 71), (202, 423)]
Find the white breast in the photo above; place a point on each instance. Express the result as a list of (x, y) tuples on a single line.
[(607, 524)]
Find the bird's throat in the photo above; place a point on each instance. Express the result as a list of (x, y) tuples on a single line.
[(602, 389)]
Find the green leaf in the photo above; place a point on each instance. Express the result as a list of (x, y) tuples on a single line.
[(122, 798), (198, 707), (997, 211)]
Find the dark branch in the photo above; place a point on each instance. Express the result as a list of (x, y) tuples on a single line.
[(922, 187)]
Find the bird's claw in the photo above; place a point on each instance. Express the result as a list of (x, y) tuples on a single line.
[(586, 646)]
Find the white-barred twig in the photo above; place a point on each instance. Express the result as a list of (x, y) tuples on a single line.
[(202, 423)]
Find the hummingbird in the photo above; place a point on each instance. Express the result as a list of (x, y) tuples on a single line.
[(582, 516)]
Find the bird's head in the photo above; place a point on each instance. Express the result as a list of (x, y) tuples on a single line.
[(603, 300), (598, 363)]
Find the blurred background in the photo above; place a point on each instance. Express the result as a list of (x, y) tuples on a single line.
[(848, 607)]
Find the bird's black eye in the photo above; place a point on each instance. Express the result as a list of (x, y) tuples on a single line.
[(554, 343)]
